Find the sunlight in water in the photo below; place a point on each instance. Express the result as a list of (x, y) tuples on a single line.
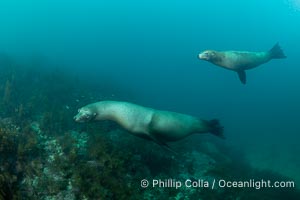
[(295, 4)]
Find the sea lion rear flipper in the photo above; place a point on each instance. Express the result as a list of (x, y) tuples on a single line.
[(242, 76), (215, 128), (276, 52)]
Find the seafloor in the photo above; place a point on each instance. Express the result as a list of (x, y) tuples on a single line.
[(44, 154)]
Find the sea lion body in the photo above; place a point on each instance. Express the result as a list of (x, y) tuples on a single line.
[(156, 125), (239, 61)]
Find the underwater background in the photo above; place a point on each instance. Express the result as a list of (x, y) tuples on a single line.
[(57, 56)]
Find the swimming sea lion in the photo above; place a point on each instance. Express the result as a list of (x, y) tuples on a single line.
[(156, 125), (240, 61)]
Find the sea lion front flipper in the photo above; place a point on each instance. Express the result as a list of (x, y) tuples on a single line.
[(242, 76), (167, 147), (162, 144)]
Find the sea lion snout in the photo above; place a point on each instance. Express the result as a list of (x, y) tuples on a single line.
[(77, 118), (202, 56), (84, 115), (205, 55)]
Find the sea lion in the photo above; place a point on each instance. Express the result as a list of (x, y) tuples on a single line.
[(156, 125), (239, 61)]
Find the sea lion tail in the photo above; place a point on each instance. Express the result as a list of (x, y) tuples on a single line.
[(216, 128), (276, 52)]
